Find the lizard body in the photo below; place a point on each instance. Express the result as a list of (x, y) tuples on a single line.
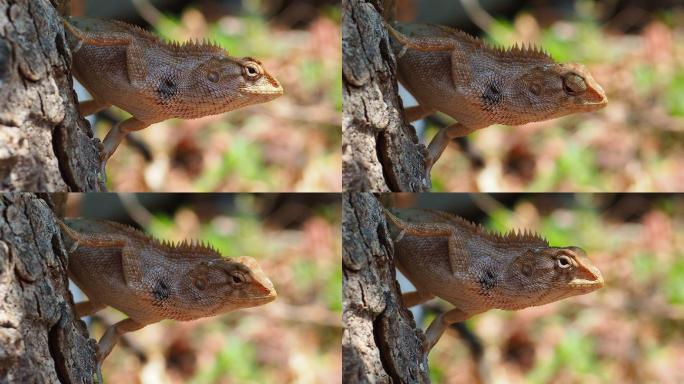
[(449, 71), (154, 80), (476, 270), (149, 280)]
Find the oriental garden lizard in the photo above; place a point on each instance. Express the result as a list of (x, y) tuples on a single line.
[(155, 80), (445, 256), (150, 280), (449, 71)]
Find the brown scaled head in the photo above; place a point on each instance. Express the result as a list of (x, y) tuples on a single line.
[(580, 88), (552, 90), (224, 83), (231, 283), (545, 275), (257, 80)]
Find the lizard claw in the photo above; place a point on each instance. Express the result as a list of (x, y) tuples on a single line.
[(103, 164), (428, 168), (402, 52), (98, 373), (400, 236)]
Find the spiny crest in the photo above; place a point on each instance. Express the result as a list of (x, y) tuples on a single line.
[(195, 46), (520, 237), (190, 46), (526, 51), (524, 238), (189, 247), (529, 51)]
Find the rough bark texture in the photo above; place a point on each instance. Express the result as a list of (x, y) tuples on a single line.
[(44, 143), (380, 152), (380, 343), (40, 340)]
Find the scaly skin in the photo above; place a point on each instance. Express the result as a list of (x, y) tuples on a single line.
[(448, 257), (154, 80), (449, 71), (148, 280)]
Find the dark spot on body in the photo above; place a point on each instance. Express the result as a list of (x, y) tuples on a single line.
[(167, 89), (161, 292), (491, 96), (487, 280)]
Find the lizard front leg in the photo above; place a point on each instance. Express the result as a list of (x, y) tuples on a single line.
[(80, 240), (440, 324), (112, 335), (135, 66), (425, 44), (110, 338), (117, 134), (441, 141), (458, 257)]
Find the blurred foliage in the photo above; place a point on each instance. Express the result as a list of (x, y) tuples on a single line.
[(634, 144), (295, 339), (632, 330), (289, 144)]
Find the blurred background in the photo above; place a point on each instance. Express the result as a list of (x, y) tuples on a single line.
[(295, 339), (289, 144), (634, 49), (630, 331)]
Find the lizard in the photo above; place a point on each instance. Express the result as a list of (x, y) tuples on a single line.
[(150, 280), (154, 80), (478, 85), (476, 270)]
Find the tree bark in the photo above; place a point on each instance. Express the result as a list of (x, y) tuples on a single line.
[(380, 152), (45, 145), (40, 339), (380, 343)]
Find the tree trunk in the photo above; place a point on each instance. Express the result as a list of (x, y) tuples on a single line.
[(40, 339), (380, 152), (380, 343), (44, 143)]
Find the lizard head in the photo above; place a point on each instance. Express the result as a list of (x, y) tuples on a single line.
[(547, 274), (230, 284), (223, 83), (552, 90)]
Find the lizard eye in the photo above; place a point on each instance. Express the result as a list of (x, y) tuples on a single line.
[(238, 278), (564, 261), (252, 70), (574, 84), (213, 77)]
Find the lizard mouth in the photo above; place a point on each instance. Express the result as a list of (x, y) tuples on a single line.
[(256, 301), (589, 284), (595, 98), (261, 91)]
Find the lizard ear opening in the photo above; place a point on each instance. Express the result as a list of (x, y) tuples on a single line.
[(200, 284), (213, 76)]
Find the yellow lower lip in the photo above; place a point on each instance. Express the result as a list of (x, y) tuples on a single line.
[(262, 92)]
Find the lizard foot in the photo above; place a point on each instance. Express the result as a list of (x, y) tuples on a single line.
[(402, 52), (98, 374), (428, 167), (103, 163), (400, 236)]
